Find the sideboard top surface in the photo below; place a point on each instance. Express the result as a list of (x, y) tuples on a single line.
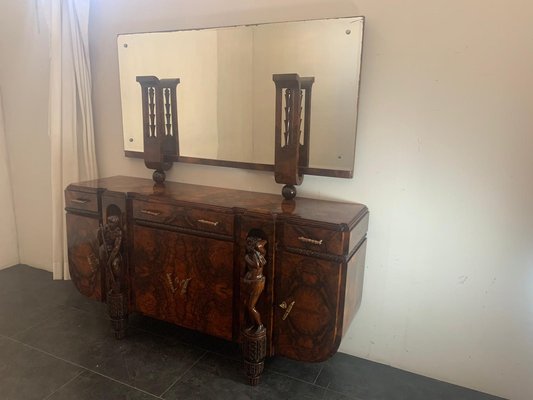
[(329, 212)]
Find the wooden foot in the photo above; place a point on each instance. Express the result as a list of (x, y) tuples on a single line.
[(254, 353), (117, 313)]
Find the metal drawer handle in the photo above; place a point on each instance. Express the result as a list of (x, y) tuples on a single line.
[(206, 222), (81, 201), (312, 241), (150, 212), (287, 308)]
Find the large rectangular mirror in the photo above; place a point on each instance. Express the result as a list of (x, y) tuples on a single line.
[(226, 94)]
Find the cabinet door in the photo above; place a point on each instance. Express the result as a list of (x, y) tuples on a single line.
[(83, 262), (184, 279), (307, 300)]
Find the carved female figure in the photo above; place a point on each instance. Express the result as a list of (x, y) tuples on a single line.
[(110, 237), (254, 279)]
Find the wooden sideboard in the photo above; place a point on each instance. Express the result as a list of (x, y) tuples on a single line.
[(279, 276)]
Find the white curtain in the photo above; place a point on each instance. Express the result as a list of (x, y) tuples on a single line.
[(70, 113)]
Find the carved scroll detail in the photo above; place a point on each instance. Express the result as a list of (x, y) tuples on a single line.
[(110, 237), (254, 334)]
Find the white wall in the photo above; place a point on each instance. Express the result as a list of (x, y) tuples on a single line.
[(443, 161), (9, 252), (24, 84)]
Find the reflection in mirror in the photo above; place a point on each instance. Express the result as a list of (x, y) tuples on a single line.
[(226, 96)]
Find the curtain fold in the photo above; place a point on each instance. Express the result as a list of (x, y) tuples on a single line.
[(70, 114)]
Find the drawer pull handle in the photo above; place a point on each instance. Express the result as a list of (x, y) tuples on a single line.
[(80, 201), (312, 241), (206, 222), (150, 212), (287, 308)]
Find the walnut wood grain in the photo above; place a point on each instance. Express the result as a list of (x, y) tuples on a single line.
[(83, 255), (161, 256), (309, 331)]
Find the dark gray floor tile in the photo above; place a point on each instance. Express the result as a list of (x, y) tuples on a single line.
[(304, 371), (27, 374), (23, 277), (66, 294), (89, 386), (219, 378), (362, 379), (18, 315), (29, 297), (206, 342), (66, 334), (142, 360)]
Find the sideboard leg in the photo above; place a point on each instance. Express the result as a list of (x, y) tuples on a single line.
[(117, 313), (254, 353)]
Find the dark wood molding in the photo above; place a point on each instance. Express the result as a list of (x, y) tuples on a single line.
[(332, 173)]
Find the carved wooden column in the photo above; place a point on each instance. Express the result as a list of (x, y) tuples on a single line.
[(111, 237), (160, 123), (254, 343), (291, 147)]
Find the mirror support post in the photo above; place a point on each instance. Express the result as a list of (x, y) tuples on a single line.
[(160, 123), (290, 152)]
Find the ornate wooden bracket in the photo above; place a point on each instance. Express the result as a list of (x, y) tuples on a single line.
[(291, 149), (254, 333), (110, 237), (160, 123)]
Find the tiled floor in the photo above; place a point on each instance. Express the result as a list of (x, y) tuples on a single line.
[(55, 344)]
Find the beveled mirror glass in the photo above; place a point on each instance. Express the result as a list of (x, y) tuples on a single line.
[(226, 95)]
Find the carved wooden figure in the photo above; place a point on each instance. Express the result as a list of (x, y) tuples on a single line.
[(110, 237), (254, 334)]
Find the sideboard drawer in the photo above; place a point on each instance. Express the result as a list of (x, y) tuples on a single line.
[(184, 217), (81, 200), (210, 221), (316, 239)]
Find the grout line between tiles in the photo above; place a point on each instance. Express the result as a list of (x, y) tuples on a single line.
[(79, 366), (183, 374), (317, 375), (65, 384)]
